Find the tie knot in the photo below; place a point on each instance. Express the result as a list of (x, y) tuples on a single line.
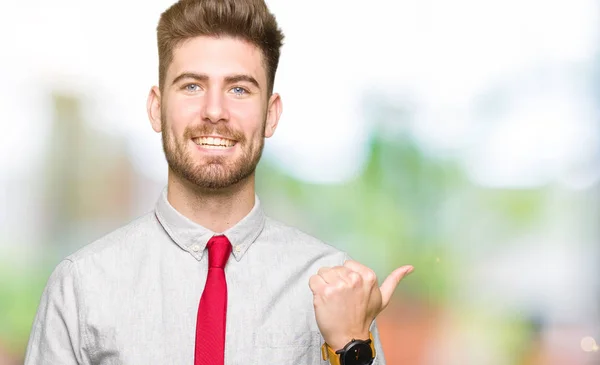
[(219, 249)]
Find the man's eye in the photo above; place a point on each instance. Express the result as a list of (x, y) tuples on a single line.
[(239, 90), (192, 87)]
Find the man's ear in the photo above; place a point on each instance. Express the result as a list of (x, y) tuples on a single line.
[(153, 108), (275, 108)]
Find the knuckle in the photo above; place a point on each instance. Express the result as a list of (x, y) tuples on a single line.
[(355, 277), (329, 291), (345, 270), (370, 276)]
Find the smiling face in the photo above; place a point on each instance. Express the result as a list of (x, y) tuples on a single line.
[(214, 111)]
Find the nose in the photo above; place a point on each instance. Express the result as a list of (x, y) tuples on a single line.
[(215, 108)]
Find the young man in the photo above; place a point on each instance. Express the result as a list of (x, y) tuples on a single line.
[(207, 277)]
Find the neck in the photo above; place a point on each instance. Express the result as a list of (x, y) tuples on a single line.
[(217, 210)]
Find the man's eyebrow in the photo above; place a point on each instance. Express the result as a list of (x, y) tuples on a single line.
[(190, 75), (229, 79), (238, 78)]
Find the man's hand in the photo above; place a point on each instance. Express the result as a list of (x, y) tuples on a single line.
[(348, 298)]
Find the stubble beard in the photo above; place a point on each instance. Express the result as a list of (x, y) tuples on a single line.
[(214, 172)]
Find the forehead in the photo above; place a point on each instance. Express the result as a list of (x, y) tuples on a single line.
[(217, 57)]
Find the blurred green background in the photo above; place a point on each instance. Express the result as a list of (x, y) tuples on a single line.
[(460, 137)]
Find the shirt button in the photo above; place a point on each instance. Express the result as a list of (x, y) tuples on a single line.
[(237, 249), (195, 248)]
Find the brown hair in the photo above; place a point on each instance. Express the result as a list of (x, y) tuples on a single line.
[(249, 20)]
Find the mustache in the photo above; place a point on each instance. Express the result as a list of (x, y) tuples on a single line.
[(221, 129)]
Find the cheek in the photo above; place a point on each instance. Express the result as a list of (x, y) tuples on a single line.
[(249, 116), (181, 113)]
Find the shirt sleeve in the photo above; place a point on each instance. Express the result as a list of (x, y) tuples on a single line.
[(55, 335)]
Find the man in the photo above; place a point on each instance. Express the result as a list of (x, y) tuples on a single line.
[(207, 277)]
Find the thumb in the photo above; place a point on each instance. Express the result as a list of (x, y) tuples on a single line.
[(391, 282)]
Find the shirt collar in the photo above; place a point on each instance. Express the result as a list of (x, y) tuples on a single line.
[(193, 237)]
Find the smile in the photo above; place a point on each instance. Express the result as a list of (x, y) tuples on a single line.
[(213, 142)]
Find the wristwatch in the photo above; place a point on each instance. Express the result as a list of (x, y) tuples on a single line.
[(356, 352)]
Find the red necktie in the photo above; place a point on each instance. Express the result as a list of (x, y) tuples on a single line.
[(212, 311)]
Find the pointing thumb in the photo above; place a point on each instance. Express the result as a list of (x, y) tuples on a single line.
[(391, 282)]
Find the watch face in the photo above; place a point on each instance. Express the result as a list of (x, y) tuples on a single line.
[(359, 354)]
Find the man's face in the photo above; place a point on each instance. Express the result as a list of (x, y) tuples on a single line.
[(215, 111)]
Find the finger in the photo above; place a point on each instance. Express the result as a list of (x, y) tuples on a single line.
[(391, 282), (366, 273), (355, 278), (325, 274), (331, 276), (323, 270), (344, 274), (316, 284)]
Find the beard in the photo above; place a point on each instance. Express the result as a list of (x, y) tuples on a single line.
[(214, 172)]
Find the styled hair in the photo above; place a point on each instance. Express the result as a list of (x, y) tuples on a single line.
[(248, 20)]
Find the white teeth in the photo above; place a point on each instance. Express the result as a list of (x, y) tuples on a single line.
[(211, 142)]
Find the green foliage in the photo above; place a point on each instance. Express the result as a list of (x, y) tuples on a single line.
[(404, 208), (20, 292)]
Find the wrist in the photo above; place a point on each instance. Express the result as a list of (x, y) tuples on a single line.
[(339, 342)]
